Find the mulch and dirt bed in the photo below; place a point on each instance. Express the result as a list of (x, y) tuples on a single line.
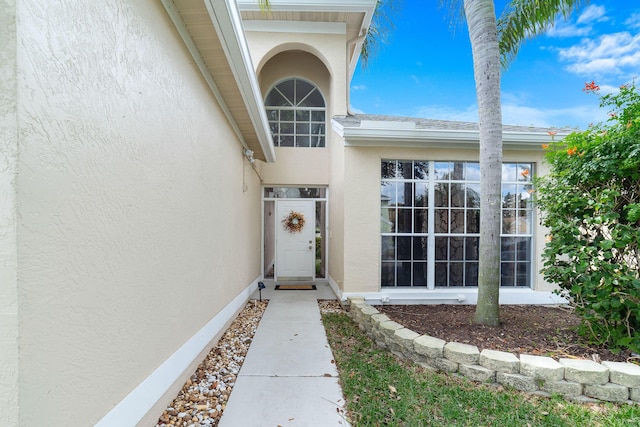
[(537, 330)]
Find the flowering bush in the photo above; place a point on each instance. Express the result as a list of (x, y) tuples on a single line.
[(590, 202)]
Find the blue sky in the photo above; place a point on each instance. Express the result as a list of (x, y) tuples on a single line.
[(424, 68)]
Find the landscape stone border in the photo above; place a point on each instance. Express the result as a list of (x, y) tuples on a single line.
[(579, 380)]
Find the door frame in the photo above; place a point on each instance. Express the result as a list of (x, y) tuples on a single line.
[(302, 253), (273, 197)]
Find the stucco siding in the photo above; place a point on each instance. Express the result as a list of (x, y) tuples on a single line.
[(8, 228), (135, 229), (362, 220), (323, 61), (263, 45), (337, 212), (298, 167)]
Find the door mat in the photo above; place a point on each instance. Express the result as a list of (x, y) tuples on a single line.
[(295, 287)]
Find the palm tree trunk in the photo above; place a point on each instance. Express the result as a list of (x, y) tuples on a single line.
[(483, 33)]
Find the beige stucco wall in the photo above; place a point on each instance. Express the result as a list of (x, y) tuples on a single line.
[(362, 207), (134, 228), (297, 166), (320, 58), (8, 228), (337, 212), (542, 168)]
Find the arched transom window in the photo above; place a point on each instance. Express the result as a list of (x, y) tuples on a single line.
[(296, 112)]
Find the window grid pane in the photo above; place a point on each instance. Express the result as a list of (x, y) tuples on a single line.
[(404, 198), (296, 113), (457, 225), (517, 205), (417, 196)]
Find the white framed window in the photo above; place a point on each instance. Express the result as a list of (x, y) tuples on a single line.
[(430, 224), (517, 224), (297, 114)]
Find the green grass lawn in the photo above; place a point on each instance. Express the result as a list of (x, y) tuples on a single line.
[(382, 390)]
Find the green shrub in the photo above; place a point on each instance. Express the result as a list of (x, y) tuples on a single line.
[(590, 202)]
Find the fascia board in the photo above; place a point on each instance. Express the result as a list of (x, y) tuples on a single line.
[(523, 138), (296, 27), (310, 5), (439, 138), (364, 28), (226, 20)]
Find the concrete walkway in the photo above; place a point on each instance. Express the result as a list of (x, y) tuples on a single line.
[(288, 377)]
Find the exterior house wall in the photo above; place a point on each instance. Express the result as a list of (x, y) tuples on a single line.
[(541, 234), (324, 63), (337, 216), (135, 228), (362, 203), (8, 219), (278, 58), (297, 166)]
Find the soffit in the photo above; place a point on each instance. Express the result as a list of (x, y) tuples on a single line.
[(353, 20), (244, 109), (355, 14)]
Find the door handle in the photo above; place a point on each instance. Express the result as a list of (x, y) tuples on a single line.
[(310, 247)]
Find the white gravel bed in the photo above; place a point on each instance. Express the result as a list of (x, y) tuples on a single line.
[(205, 394)]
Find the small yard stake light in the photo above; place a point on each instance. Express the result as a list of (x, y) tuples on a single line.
[(261, 286)]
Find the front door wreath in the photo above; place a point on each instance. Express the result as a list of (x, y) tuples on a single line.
[(293, 222)]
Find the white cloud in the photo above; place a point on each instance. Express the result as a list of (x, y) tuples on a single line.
[(518, 114), (581, 27), (592, 13), (572, 116), (514, 114), (565, 30), (606, 89), (358, 87), (633, 21), (608, 54), (517, 111), (594, 67), (445, 112)]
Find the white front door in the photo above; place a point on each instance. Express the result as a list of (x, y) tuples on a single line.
[(295, 254)]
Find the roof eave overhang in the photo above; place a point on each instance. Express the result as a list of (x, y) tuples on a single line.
[(225, 18), (437, 138), (367, 7), (309, 5)]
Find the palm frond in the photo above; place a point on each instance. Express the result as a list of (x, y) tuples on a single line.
[(264, 5), (525, 19), (382, 25)]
